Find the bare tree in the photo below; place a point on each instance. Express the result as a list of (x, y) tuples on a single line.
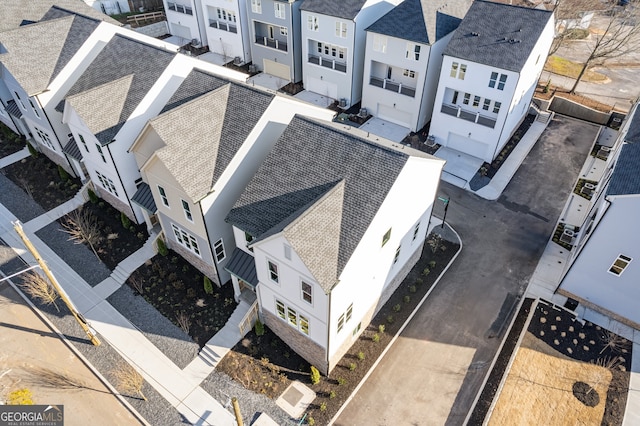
[(614, 342), (82, 227), (568, 14), (183, 321), (39, 287), (620, 37), (129, 380)]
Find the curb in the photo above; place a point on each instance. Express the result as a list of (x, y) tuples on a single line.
[(384, 352)]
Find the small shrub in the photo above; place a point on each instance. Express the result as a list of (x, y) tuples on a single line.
[(20, 397), (323, 406), (432, 264), (332, 394), (92, 196), (390, 319), (342, 381), (361, 355), (426, 271), (352, 366), (174, 259), (191, 293), (259, 327), (162, 247), (419, 281), (315, 375), (376, 338), (63, 174), (32, 150), (396, 308), (311, 421), (412, 289), (208, 287), (407, 299), (381, 328)]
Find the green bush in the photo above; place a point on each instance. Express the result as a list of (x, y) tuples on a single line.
[(162, 247), (432, 264), (361, 355), (396, 308), (208, 287), (390, 319), (311, 421), (126, 222), (426, 271), (412, 289), (332, 394), (407, 299), (342, 381), (32, 150), (315, 375), (352, 366), (92, 196), (381, 328), (419, 281), (376, 338), (323, 406), (259, 328), (63, 174)]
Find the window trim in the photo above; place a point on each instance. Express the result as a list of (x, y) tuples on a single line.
[(163, 196), (312, 23), (99, 148), (273, 273), (186, 240), (186, 208), (416, 229), (617, 269), (304, 293), (386, 237), (279, 10), (223, 254), (396, 256), (256, 6), (341, 29), (379, 43)]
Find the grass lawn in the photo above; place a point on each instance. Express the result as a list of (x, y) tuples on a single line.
[(567, 68)]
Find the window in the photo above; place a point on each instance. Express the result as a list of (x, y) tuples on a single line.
[(107, 184), (172, 6), (273, 271), (503, 80), (486, 104), (620, 264), (496, 107), (312, 23), (341, 52), (409, 73), (304, 325), (454, 99), (467, 96), (20, 101), (349, 313), (463, 71), (379, 43), (226, 15), (163, 196), (187, 211), (356, 330), (476, 101), (319, 47), (99, 148), (280, 309), (341, 29), (415, 231), (33, 107), (284, 31), (188, 10), (454, 69), (186, 240), (345, 317), (279, 9), (44, 137), (84, 143), (413, 51), (386, 237), (256, 6), (218, 250), (306, 292), (493, 79), (293, 316), (397, 255), (340, 323)]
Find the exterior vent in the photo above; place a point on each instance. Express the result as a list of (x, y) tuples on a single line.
[(589, 186), (342, 103), (567, 236), (237, 60)]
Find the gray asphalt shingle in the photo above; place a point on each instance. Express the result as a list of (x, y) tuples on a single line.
[(633, 131), (346, 9), (625, 179)]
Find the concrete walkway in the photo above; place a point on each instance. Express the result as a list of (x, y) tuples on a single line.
[(13, 158)]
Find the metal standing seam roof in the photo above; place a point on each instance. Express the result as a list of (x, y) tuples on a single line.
[(122, 61), (498, 35), (242, 265), (321, 187), (36, 53), (72, 150), (633, 131), (144, 198), (14, 109), (422, 21), (346, 9), (203, 135), (625, 179)]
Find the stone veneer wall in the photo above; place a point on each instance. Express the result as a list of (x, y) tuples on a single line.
[(303, 345), (59, 160), (197, 262), (115, 202)]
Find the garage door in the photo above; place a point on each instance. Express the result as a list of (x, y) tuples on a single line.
[(394, 115), (467, 145), (321, 87), (181, 31), (277, 69)]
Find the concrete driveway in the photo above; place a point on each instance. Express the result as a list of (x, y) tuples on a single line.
[(433, 372)]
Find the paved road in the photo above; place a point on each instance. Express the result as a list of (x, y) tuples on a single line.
[(34, 357), (431, 375)]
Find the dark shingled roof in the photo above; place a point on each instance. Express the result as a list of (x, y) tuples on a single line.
[(121, 57), (144, 198), (498, 35), (346, 9), (196, 84), (422, 21), (243, 265), (625, 179), (633, 131), (321, 187), (72, 150)]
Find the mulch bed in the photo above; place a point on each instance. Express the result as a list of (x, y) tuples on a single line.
[(10, 142), (176, 289), (265, 364), (292, 88)]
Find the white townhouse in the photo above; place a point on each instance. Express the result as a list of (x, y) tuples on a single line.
[(489, 73), (333, 45), (324, 238), (276, 44), (186, 20), (197, 156), (227, 28), (604, 269), (110, 7), (403, 57)]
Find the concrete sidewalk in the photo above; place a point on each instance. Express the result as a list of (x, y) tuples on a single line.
[(15, 157)]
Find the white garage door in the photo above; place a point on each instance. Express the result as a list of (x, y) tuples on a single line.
[(394, 115), (323, 88), (181, 31), (467, 145), (277, 69)]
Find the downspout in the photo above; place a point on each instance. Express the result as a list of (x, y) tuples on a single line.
[(213, 256), (124, 188), (328, 330)]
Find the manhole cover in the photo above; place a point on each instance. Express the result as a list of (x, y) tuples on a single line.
[(292, 396)]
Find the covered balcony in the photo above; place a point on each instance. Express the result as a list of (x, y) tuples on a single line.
[(271, 36), (392, 78), (392, 86), (328, 63), (223, 25), (468, 115)]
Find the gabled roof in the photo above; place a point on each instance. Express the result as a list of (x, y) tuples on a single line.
[(422, 21), (498, 35), (202, 136), (346, 9), (625, 179), (318, 179), (37, 53), (633, 131), (196, 84), (121, 62), (15, 13)]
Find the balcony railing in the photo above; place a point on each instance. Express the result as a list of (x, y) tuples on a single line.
[(223, 25), (271, 42), (392, 86), (177, 7), (328, 63), (474, 117)]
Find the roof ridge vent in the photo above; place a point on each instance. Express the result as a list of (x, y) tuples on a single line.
[(514, 40), (475, 34)]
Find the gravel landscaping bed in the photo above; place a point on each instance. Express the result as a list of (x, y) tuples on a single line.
[(171, 340), (17, 201), (77, 256)]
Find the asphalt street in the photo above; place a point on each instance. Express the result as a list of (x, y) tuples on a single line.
[(432, 373)]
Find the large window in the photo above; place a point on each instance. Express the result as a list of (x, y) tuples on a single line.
[(620, 264), (413, 51), (486, 104), (312, 23), (307, 292), (458, 70), (163, 196), (279, 10), (256, 6), (226, 15), (379, 43), (292, 317), (466, 98), (341, 29), (107, 184), (84, 143), (187, 211), (496, 107), (501, 80), (345, 318), (99, 148), (33, 107), (218, 250), (44, 137), (273, 271), (280, 309), (331, 50), (186, 240)]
